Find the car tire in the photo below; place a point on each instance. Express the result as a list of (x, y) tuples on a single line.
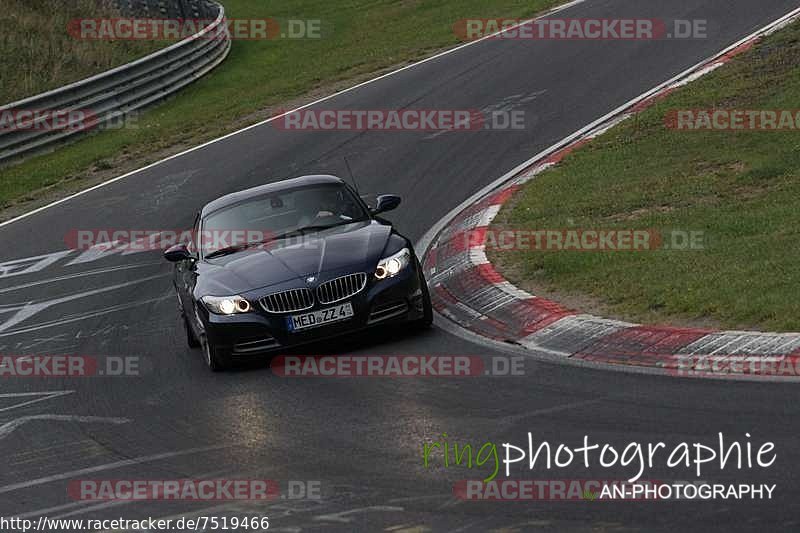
[(427, 308), (191, 338), (216, 358)]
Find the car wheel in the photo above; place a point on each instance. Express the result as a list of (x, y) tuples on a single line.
[(191, 338), (216, 358), (427, 308)]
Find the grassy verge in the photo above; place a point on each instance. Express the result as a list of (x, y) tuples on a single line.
[(361, 37), (741, 189), (39, 55)]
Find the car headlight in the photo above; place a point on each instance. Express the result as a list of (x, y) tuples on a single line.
[(226, 305), (392, 265)]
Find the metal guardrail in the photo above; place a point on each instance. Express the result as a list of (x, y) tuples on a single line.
[(106, 98), (180, 9)]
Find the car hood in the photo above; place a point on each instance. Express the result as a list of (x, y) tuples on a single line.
[(357, 246)]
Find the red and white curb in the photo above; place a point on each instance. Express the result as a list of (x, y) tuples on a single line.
[(466, 288)]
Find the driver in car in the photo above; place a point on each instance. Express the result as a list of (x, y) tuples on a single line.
[(316, 206)]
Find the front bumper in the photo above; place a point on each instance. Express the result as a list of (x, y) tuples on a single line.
[(392, 300)]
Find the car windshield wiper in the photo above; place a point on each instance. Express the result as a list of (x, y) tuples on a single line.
[(237, 248), (228, 250)]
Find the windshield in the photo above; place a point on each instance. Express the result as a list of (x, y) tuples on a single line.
[(279, 214)]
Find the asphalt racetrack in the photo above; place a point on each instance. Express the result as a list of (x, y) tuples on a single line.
[(361, 439)]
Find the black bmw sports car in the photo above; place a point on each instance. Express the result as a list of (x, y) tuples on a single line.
[(290, 263)]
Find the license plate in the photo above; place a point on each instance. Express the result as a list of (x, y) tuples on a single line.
[(319, 318)]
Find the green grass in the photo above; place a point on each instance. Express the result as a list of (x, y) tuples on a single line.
[(38, 54), (360, 37), (741, 189)]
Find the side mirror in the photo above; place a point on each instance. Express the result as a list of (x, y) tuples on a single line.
[(177, 253), (386, 202)]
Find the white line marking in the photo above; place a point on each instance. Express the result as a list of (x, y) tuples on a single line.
[(426, 239), (50, 510), (25, 312), (101, 468), (87, 505), (315, 102), (44, 396), (94, 507), (343, 517), (85, 316), (9, 427), (78, 275)]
